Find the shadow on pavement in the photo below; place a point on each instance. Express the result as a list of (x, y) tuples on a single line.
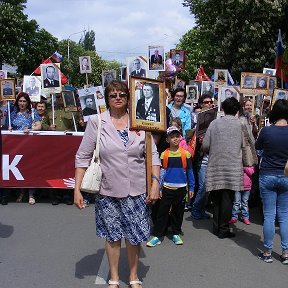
[(6, 230)]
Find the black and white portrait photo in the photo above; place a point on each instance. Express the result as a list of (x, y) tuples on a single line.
[(147, 107), (280, 94), (137, 66), (207, 88), (262, 82), (107, 77), (123, 71), (32, 86), (192, 93), (248, 82), (178, 58), (7, 89), (156, 58), (69, 101), (3, 74), (88, 105), (269, 71), (85, 64), (51, 77)]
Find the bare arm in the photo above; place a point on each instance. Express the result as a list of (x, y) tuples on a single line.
[(78, 198)]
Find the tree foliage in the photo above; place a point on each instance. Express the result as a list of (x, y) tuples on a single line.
[(239, 35), (88, 41)]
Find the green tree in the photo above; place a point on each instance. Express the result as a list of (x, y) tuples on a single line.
[(12, 23), (239, 35), (88, 41)]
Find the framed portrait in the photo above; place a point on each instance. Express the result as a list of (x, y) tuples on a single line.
[(137, 66), (19, 82), (85, 64), (178, 58), (156, 58), (279, 94), (269, 71), (3, 74), (179, 83), (147, 104), (207, 88), (272, 84), (254, 83), (220, 77), (51, 78), (196, 83), (192, 94), (123, 73), (7, 89), (249, 103), (69, 101), (32, 86), (227, 92), (204, 120), (107, 77)]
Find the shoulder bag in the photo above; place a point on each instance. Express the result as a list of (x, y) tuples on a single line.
[(249, 155), (93, 175), (286, 169)]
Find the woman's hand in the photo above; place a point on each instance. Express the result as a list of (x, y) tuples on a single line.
[(78, 200), (154, 193)]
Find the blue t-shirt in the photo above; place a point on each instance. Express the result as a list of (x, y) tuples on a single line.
[(273, 140)]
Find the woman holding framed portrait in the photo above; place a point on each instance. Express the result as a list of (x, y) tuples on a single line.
[(121, 205)]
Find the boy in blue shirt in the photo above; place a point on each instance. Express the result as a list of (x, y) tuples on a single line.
[(177, 165)]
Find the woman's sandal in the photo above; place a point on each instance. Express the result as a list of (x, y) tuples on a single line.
[(113, 282), (31, 200), (133, 282)]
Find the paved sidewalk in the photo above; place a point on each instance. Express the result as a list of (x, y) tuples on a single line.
[(49, 246)]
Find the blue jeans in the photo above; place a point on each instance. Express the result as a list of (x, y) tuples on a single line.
[(241, 204), (274, 195), (201, 196)]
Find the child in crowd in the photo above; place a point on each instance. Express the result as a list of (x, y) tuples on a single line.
[(177, 164), (242, 197)]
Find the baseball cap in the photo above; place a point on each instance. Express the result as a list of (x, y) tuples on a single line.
[(172, 129)]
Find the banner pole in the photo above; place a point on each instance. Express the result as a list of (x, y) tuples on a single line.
[(53, 109)]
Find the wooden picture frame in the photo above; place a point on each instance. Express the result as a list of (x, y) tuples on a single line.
[(178, 58), (7, 88), (85, 64), (279, 94), (150, 93), (69, 101), (254, 83)]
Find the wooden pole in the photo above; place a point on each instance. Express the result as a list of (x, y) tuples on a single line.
[(53, 108), (148, 161), (87, 79)]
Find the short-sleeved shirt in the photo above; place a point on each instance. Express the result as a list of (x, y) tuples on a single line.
[(22, 121)]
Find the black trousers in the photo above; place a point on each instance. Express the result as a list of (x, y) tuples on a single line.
[(174, 200), (222, 210)]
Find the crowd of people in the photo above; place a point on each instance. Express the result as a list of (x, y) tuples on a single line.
[(213, 173)]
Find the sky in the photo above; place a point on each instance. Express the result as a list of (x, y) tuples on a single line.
[(123, 28)]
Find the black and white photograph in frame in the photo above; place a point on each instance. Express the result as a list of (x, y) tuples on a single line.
[(88, 105), (269, 71), (107, 77), (272, 84), (196, 83), (192, 94), (7, 87), (262, 82), (227, 92), (51, 78), (279, 94), (123, 73), (178, 58), (137, 66), (207, 88), (32, 86), (3, 74), (156, 58), (69, 101), (85, 64)]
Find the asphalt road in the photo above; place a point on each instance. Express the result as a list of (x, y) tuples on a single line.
[(49, 246)]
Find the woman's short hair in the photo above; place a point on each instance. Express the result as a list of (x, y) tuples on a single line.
[(231, 106), (115, 85), (204, 96), (179, 89), (41, 102), (279, 111), (27, 98)]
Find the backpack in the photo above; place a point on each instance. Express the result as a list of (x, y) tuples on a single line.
[(183, 158)]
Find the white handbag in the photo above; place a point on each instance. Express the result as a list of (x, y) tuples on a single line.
[(93, 175)]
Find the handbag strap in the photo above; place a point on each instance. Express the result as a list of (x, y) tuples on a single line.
[(96, 150)]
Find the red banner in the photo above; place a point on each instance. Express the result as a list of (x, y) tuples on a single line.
[(38, 161)]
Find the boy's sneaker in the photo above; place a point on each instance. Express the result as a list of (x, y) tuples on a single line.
[(232, 220), (284, 259), (246, 221), (265, 258), (153, 242), (177, 240), (186, 207)]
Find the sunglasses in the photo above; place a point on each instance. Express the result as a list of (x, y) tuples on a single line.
[(207, 102), (121, 95)]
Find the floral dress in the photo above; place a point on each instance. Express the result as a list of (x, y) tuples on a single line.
[(22, 121)]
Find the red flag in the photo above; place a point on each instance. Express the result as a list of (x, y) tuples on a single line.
[(201, 75), (192, 145)]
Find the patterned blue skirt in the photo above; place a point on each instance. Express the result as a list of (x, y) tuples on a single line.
[(118, 218)]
